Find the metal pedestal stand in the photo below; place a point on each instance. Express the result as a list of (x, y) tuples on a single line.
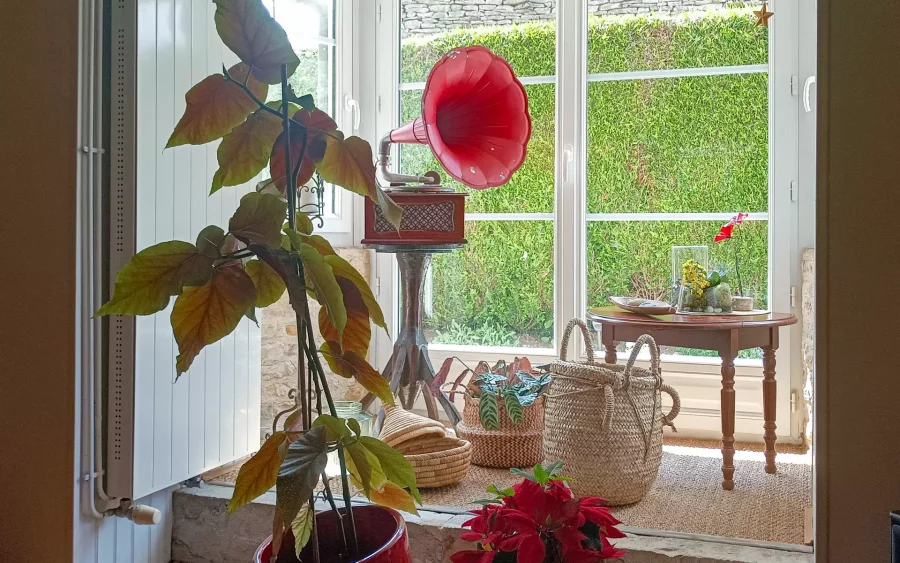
[(409, 370)]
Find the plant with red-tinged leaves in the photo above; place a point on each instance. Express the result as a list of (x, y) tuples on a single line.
[(538, 521), (727, 232)]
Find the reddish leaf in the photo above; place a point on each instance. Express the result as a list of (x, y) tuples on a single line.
[(258, 219), (246, 28), (459, 382), (348, 364), (531, 550), (202, 315), (269, 285), (316, 122), (348, 163), (245, 150), (345, 270), (357, 333), (215, 106), (473, 556), (441, 376)]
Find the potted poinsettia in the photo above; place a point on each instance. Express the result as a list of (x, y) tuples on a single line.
[(538, 521), (269, 248), (729, 231)]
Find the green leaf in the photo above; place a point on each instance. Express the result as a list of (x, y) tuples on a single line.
[(258, 474), (337, 428), (302, 527), (485, 501), (246, 28), (258, 219), (523, 473), (245, 151), (269, 285), (554, 468), (326, 287), (540, 474), (210, 240), (488, 410), (395, 467), (304, 224), (300, 471), (319, 243), (513, 407), (214, 106), (364, 467), (145, 284), (348, 163), (207, 313), (353, 424)]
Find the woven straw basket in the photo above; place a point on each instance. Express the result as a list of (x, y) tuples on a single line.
[(437, 457), (604, 422), (513, 445)]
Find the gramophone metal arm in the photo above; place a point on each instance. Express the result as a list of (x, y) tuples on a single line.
[(384, 165)]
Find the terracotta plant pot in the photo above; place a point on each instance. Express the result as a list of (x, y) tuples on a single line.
[(382, 539)]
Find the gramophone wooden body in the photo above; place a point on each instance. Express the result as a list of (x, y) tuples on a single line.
[(430, 216)]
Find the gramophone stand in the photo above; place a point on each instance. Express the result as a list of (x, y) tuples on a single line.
[(409, 370)]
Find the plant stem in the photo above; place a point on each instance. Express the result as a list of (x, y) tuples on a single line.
[(330, 498), (737, 266)]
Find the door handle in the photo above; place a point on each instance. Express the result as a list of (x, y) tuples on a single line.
[(806, 86), (352, 106)]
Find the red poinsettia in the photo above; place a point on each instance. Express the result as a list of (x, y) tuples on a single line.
[(727, 232), (537, 520)]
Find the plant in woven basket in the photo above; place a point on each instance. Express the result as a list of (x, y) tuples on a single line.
[(267, 249), (516, 385), (538, 521)]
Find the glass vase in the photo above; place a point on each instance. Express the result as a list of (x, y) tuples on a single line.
[(718, 299), (348, 410)]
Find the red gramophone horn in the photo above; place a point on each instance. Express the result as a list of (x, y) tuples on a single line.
[(474, 118)]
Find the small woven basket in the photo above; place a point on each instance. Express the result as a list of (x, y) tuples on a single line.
[(438, 458), (513, 445), (604, 422)]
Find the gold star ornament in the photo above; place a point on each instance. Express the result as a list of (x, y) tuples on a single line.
[(763, 15)]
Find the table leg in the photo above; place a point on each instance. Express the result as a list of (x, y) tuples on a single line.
[(727, 421), (769, 395)]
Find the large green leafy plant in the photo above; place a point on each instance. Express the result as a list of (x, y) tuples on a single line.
[(269, 248)]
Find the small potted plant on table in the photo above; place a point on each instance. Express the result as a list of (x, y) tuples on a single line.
[(729, 231), (268, 249)]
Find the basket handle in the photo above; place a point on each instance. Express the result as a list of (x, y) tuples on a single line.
[(676, 405), (654, 358), (587, 340)]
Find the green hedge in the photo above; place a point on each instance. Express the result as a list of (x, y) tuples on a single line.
[(694, 144)]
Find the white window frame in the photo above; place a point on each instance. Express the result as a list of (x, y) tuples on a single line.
[(570, 295)]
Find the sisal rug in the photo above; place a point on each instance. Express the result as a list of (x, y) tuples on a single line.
[(687, 495)]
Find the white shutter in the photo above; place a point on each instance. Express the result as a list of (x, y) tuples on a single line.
[(163, 431)]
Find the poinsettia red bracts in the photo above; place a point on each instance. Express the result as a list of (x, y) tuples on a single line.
[(540, 519)]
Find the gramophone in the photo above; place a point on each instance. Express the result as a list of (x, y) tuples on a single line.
[(475, 120)]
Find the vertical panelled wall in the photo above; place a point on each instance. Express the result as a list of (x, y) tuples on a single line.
[(210, 415)]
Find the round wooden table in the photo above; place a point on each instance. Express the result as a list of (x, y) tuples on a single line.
[(725, 334)]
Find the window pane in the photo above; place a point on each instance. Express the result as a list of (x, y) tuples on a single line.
[(497, 291), (634, 258), (696, 144), (700, 37), (530, 190)]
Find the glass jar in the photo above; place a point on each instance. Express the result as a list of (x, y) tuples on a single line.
[(348, 410), (718, 298)]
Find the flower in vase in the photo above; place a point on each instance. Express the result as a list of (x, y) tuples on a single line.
[(726, 233)]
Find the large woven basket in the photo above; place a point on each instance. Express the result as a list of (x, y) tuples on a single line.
[(437, 457), (604, 422), (513, 445)]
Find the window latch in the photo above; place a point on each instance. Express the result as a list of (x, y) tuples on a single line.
[(810, 80), (352, 106)]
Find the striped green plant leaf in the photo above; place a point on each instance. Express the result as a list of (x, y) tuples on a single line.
[(513, 407), (488, 411)]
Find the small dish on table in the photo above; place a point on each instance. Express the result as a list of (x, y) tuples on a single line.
[(643, 306)]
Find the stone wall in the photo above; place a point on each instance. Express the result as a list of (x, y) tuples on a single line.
[(423, 17), (279, 351)]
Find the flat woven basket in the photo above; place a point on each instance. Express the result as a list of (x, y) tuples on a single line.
[(437, 457), (513, 445), (604, 422)]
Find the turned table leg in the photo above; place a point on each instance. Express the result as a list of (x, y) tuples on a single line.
[(769, 395), (727, 421)]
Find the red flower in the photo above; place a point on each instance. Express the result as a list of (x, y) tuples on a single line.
[(726, 231), (535, 514)]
